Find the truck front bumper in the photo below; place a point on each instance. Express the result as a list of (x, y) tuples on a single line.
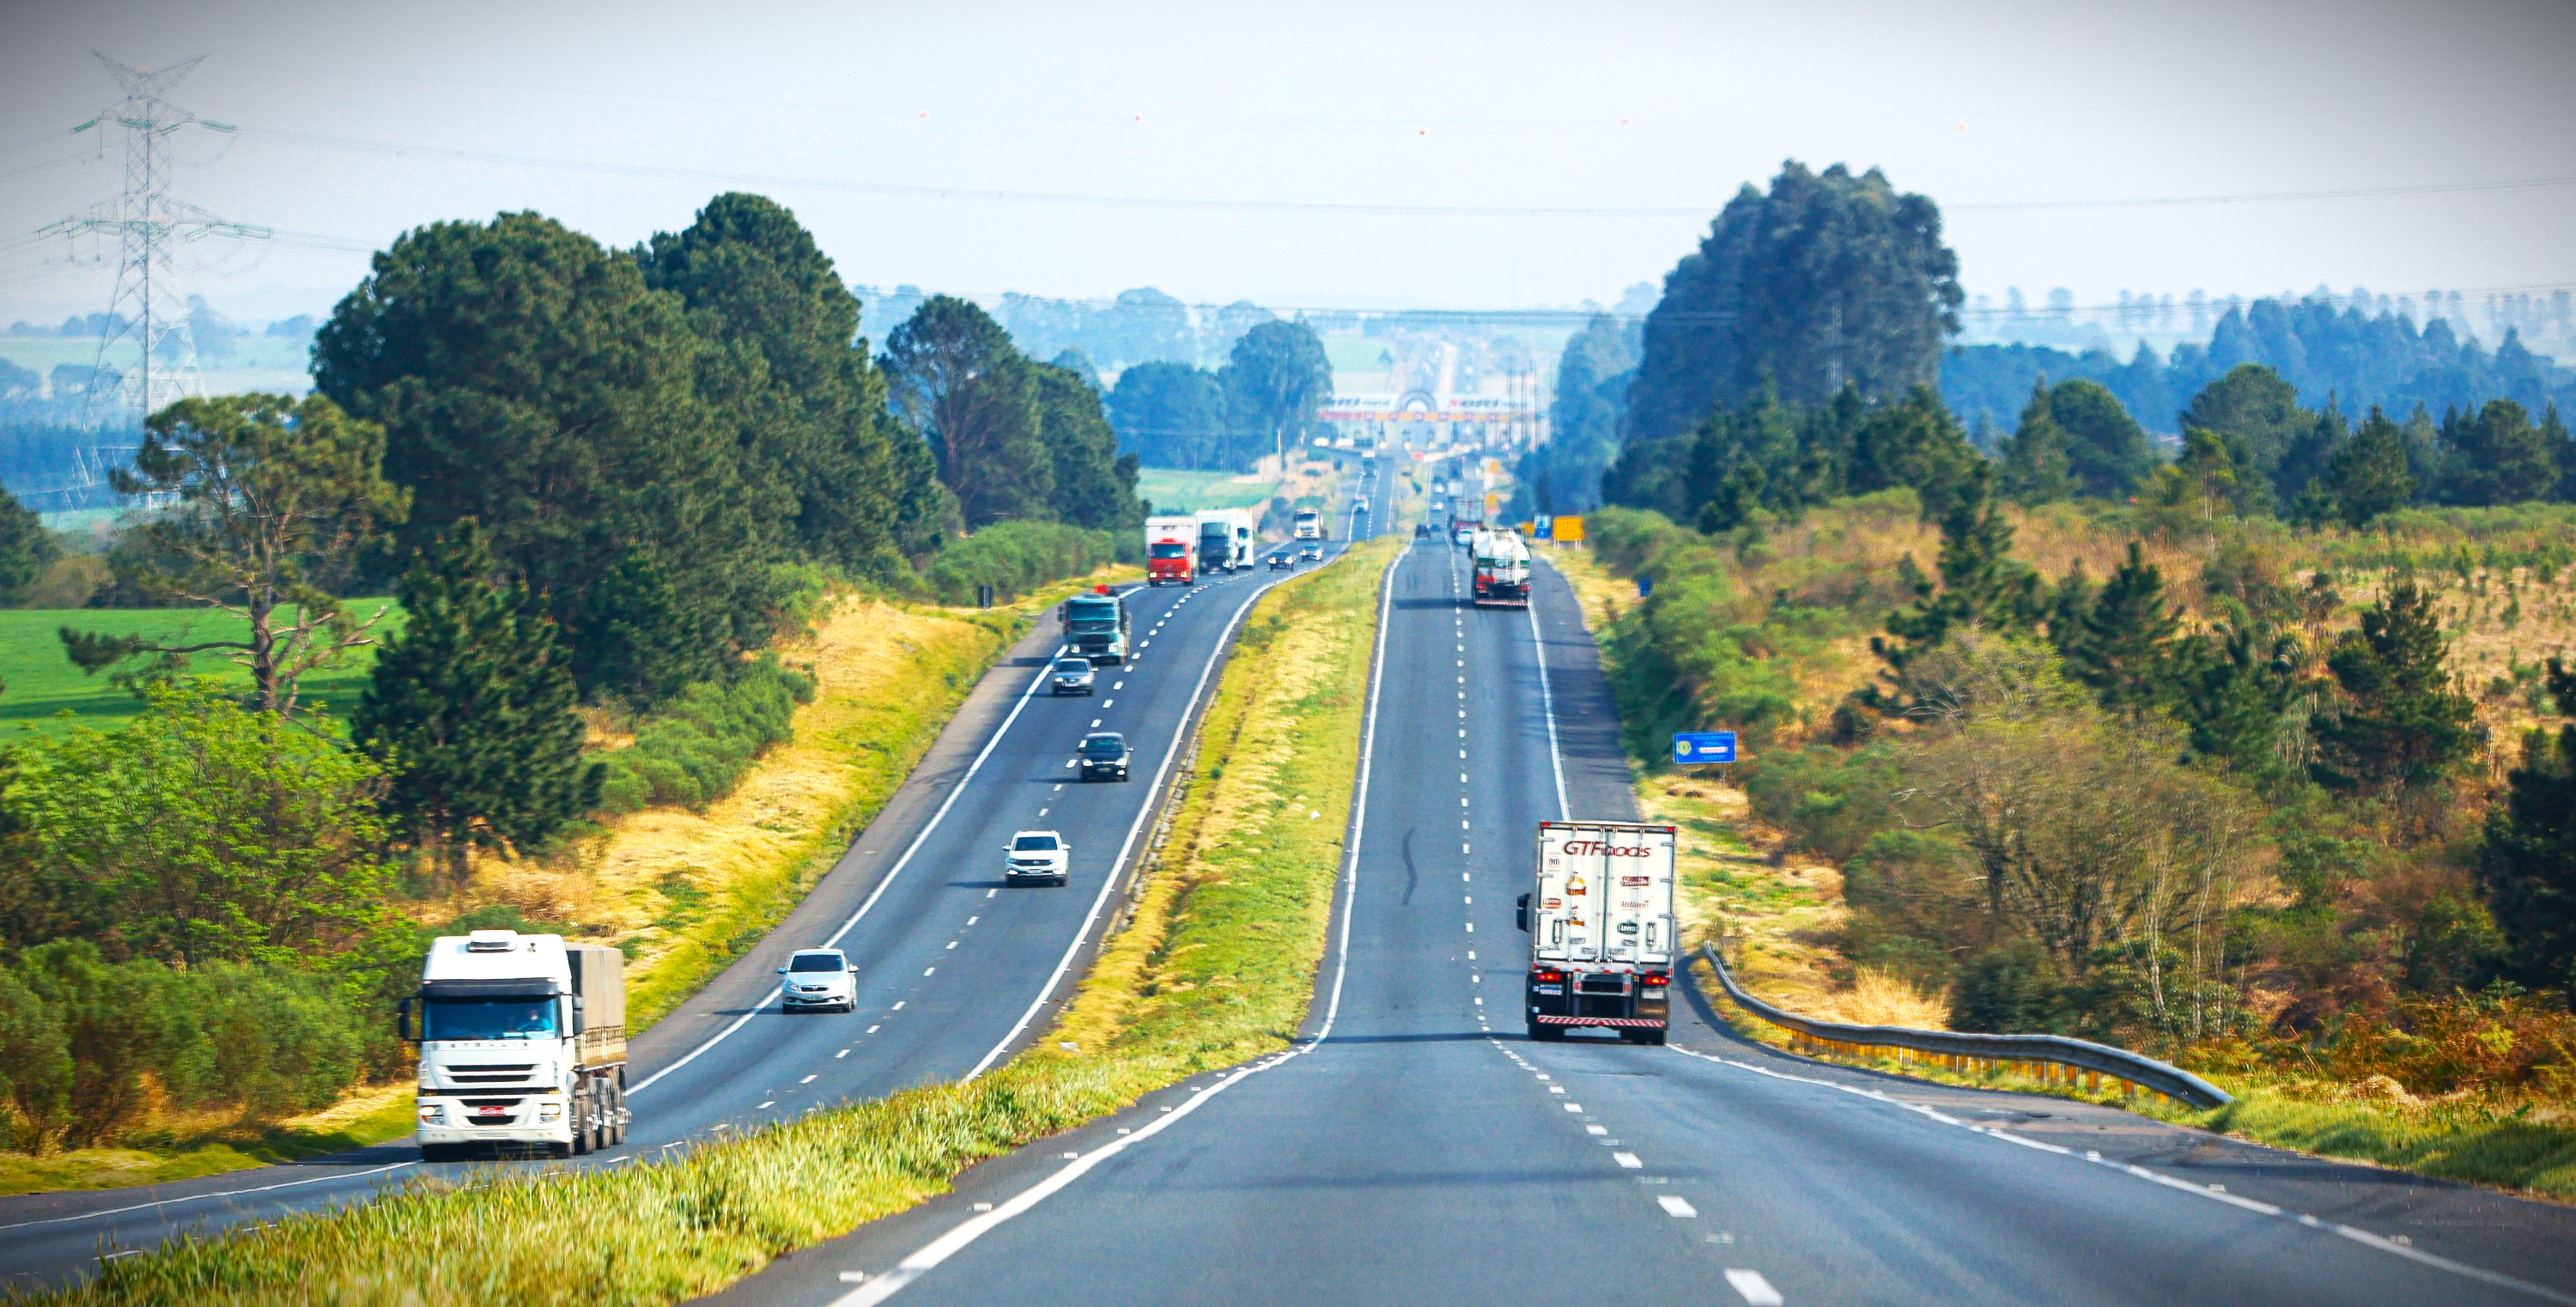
[(518, 1119)]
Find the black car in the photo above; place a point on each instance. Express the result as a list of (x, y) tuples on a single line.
[(1421, 529), (1104, 756), (1279, 562)]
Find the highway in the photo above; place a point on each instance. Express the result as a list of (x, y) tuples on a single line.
[(956, 969), (1414, 1147)]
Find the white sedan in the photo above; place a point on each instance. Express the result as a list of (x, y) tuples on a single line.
[(819, 978)]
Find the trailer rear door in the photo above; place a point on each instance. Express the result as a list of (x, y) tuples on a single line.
[(1605, 895)]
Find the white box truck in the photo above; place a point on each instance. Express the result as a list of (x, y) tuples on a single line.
[(1309, 524), (1602, 930), (522, 1045)]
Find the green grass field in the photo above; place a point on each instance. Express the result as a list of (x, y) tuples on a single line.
[(1171, 490), (43, 685)]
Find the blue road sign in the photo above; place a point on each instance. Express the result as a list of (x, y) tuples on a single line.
[(1703, 746)]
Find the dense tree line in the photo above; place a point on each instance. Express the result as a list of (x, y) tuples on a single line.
[(1563, 474), (1263, 398), (2361, 359)]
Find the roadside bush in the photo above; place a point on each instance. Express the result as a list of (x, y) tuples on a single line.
[(695, 750), (1017, 557), (1831, 803), (88, 1045)]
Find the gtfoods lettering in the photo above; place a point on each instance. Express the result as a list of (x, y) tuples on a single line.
[(1597, 848)]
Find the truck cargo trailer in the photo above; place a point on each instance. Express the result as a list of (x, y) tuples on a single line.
[(1602, 930)]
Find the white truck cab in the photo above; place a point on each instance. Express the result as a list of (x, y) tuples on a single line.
[(522, 1044)]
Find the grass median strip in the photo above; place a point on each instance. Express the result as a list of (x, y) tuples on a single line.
[(1217, 966)]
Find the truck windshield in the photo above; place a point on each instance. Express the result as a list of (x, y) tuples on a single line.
[(1171, 549), (508, 1016)]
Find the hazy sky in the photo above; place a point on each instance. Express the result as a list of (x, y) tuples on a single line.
[(650, 108)]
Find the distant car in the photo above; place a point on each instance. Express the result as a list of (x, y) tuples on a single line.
[(1104, 756), (1421, 529), (819, 978), (1036, 857), (1072, 676), (1359, 503), (1312, 553), (1280, 561)]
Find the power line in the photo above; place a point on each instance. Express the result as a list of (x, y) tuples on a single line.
[(319, 141)]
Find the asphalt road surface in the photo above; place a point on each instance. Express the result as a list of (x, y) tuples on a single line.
[(956, 969), (1414, 1147)]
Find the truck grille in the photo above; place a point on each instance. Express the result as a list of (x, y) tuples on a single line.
[(491, 1074)]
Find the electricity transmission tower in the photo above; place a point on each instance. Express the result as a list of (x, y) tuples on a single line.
[(147, 314)]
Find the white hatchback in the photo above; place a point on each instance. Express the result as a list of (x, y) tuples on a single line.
[(819, 978)]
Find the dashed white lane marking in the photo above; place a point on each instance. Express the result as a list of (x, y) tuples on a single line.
[(1108, 703), (873, 1029), (1471, 928), (898, 1007), (2211, 1192), (806, 1081), (1757, 1292), (952, 943), (764, 1106), (930, 971), (1596, 1130), (1573, 1107), (972, 920), (1676, 1206), (1095, 723), (1462, 825), (1462, 800), (842, 1054), (1627, 1161)]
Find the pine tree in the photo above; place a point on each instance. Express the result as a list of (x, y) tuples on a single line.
[(1981, 584), (26, 548), (2035, 467), (472, 707), (2121, 644), (2528, 864), (2400, 724), (2367, 476)]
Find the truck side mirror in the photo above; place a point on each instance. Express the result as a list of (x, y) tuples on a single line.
[(402, 1023), (1520, 913)]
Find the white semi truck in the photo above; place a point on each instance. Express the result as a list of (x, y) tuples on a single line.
[(1602, 930), (522, 1045), (1225, 540), (1309, 524)]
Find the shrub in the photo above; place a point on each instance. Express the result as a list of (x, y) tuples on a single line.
[(696, 750), (1017, 557), (85, 1042)]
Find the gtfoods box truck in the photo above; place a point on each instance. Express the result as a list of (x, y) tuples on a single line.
[(1601, 929), (522, 1044), (1502, 569), (1171, 550)]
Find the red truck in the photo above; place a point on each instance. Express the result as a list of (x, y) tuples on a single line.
[(1171, 550)]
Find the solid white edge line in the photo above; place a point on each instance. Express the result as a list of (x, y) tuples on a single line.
[(190, 1198), (1144, 811), (879, 1288), (1547, 698), (879, 892), (2238, 1201)]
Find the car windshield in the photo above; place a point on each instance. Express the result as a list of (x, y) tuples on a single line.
[(1073, 665), (504, 1016), (1104, 746), (1033, 844), (817, 962)]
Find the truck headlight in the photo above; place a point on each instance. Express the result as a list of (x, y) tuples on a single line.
[(433, 1113), (550, 1111)]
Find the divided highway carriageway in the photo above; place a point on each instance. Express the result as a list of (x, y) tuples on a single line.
[(956, 970), (1414, 1147)]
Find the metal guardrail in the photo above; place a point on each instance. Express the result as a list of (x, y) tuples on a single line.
[(2043, 1057)]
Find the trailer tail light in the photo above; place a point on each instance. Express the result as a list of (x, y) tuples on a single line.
[(1656, 982), (1548, 976)]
